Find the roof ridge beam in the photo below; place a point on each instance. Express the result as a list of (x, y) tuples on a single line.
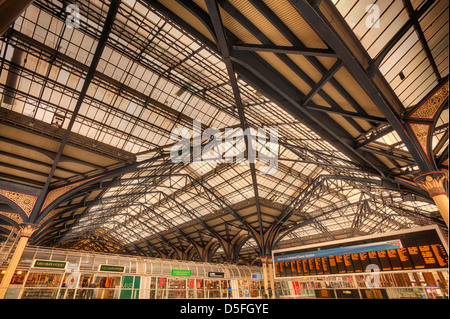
[(284, 49)]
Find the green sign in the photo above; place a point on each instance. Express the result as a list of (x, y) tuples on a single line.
[(109, 268), (49, 264), (181, 272)]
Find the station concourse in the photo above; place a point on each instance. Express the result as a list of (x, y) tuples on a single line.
[(224, 149)]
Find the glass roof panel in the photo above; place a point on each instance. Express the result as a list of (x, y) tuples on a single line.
[(153, 77)]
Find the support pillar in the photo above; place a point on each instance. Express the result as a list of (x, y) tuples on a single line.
[(26, 231), (265, 275), (433, 183), (271, 278)]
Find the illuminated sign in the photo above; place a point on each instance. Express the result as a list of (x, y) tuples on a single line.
[(51, 264), (181, 272), (341, 251), (109, 268), (405, 250), (374, 294), (324, 293)]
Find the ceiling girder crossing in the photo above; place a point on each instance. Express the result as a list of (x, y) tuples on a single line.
[(319, 23)]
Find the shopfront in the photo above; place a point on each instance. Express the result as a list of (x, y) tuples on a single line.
[(16, 284), (77, 286), (403, 285), (250, 288), (60, 274), (108, 281), (42, 279)]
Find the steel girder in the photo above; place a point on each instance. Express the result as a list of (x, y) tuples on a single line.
[(263, 78), (317, 20)]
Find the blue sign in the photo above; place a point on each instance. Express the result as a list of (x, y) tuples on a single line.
[(257, 276)]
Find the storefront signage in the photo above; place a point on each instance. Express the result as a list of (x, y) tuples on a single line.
[(181, 272), (257, 276), (216, 274), (49, 264), (109, 268)]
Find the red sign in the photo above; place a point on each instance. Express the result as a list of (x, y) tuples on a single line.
[(296, 286)]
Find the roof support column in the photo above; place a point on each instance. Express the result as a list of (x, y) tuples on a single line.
[(25, 233), (433, 183), (271, 278), (268, 279)]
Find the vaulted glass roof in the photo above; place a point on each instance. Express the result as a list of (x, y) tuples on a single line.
[(156, 75)]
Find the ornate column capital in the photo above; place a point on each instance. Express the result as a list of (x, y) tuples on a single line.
[(266, 259), (432, 182), (26, 230)]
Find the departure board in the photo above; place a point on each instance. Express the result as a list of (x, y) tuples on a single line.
[(405, 259), (340, 264), (374, 294), (277, 270), (324, 293), (394, 259), (364, 257), (384, 260), (318, 264), (348, 263), (312, 266), (347, 293), (305, 267), (358, 267), (333, 266), (441, 255), (373, 258), (325, 265), (428, 256), (299, 265), (416, 257), (408, 250)]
